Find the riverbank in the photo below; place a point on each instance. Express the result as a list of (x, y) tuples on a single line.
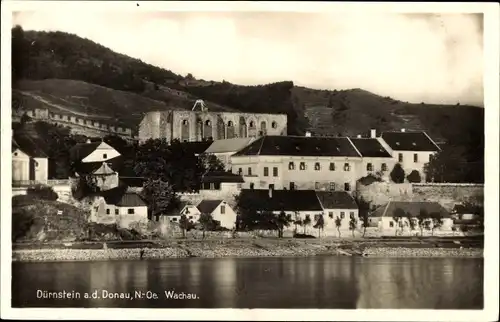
[(246, 248)]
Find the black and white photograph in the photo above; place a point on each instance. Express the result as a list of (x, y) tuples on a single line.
[(250, 155)]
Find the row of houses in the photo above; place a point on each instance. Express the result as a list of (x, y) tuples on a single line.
[(294, 166)]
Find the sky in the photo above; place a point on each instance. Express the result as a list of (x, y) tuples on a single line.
[(427, 58)]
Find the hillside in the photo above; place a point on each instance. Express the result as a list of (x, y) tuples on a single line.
[(78, 74)]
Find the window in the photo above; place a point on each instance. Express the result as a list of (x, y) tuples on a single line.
[(108, 211), (391, 224), (332, 186), (347, 186), (342, 215), (274, 125), (271, 186), (240, 171), (302, 166), (330, 214), (190, 217), (369, 167), (351, 214), (316, 217), (292, 185), (116, 211), (347, 167), (230, 123), (217, 185), (252, 185), (316, 185), (308, 217), (130, 211), (266, 171), (222, 210), (104, 156), (174, 219), (184, 122), (251, 124), (384, 166), (249, 171), (291, 166), (207, 123), (317, 166), (275, 172), (415, 157), (400, 157), (332, 166)]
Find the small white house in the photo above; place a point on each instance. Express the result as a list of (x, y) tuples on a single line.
[(119, 206), (220, 211), (29, 162), (104, 175), (385, 217)]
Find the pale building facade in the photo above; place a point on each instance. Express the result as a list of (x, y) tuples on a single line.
[(298, 163), (189, 126), (412, 150), (29, 163)]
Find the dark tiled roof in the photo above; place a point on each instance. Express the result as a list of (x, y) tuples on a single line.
[(28, 146), (409, 141), (411, 207), (300, 146), (221, 176), (120, 197), (369, 147), (336, 200), (82, 150), (286, 200), (208, 206)]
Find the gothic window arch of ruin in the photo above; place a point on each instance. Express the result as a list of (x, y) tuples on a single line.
[(243, 131), (185, 130), (230, 130), (263, 127)]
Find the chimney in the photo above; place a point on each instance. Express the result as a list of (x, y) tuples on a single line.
[(359, 136), (373, 133), (308, 134), (88, 141), (270, 192), (403, 130)]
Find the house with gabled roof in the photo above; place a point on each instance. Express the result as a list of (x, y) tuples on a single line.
[(120, 206), (298, 163), (221, 212), (29, 162), (223, 149), (102, 173), (384, 217), (90, 152), (411, 149)]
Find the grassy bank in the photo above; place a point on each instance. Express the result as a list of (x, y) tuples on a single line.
[(266, 247)]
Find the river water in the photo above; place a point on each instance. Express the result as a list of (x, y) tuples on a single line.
[(314, 282)]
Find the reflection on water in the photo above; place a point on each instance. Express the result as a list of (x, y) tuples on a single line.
[(317, 282)]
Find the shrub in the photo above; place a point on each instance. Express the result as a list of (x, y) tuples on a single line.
[(369, 179), (21, 223), (414, 177), (398, 174), (42, 192)]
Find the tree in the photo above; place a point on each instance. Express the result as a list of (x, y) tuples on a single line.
[(353, 224), (160, 197), (211, 162), (414, 177), (423, 216), (320, 224), (448, 165), (397, 216), (306, 223), (283, 220), (207, 222), (364, 213), (184, 225), (398, 174), (86, 185), (411, 221), (338, 224), (437, 221)]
